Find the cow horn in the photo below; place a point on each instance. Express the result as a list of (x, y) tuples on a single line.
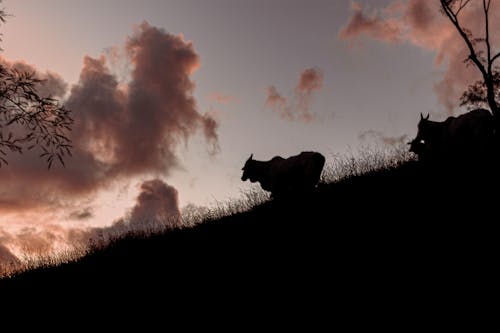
[(421, 116), (251, 156), (427, 116)]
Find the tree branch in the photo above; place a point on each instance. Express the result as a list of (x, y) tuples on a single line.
[(495, 57), (453, 18), (461, 6), (487, 28)]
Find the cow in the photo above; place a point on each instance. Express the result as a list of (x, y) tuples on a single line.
[(297, 174), (468, 135)]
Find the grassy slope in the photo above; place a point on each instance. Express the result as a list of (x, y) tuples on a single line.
[(399, 234)]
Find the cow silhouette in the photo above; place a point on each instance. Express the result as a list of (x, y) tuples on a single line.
[(282, 177), (467, 136)]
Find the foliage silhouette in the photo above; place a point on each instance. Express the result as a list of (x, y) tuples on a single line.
[(28, 120)]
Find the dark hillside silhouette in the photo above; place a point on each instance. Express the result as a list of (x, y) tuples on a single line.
[(392, 240)]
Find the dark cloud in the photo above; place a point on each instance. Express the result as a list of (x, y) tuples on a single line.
[(157, 201), (156, 209), (82, 214), (138, 127), (121, 129), (310, 80), (210, 127)]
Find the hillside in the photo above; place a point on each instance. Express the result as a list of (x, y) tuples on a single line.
[(399, 234)]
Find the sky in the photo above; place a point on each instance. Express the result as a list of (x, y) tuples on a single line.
[(171, 97)]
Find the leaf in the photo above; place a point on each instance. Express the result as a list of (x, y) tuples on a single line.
[(61, 160)]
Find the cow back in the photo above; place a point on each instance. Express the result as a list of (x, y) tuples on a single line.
[(299, 170), (460, 137)]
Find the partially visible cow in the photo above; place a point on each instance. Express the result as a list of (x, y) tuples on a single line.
[(297, 174), (466, 136)]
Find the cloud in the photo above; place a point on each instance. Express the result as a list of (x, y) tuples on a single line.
[(373, 26), (381, 137), (8, 261), (210, 126), (33, 243), (82, 214), (121, 129), (221, 98), (310, 80), (157, 201), (52, 84), (420, 23), (278, 103), (35, 240), (156, 208)]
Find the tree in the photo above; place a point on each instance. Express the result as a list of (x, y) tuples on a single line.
[(28, 120), (487, 90), (476, 95)]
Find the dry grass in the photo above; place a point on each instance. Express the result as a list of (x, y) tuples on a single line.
[(366, 160)]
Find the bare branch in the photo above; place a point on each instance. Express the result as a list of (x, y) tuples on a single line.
[(453, 18), (494, 58), (486, 91), (487, 33), (461, 6)]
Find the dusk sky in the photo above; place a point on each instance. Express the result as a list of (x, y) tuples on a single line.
[(171, 97)]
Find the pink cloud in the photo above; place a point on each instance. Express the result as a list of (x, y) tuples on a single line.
[(373, 26), (120, 130), (220, 98), (52, 84), (419, 22), (278, 103), (35, 243), (310, 80)]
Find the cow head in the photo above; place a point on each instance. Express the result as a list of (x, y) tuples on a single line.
[(248, 170), (425, 140), (417, 146), (424, 130)]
